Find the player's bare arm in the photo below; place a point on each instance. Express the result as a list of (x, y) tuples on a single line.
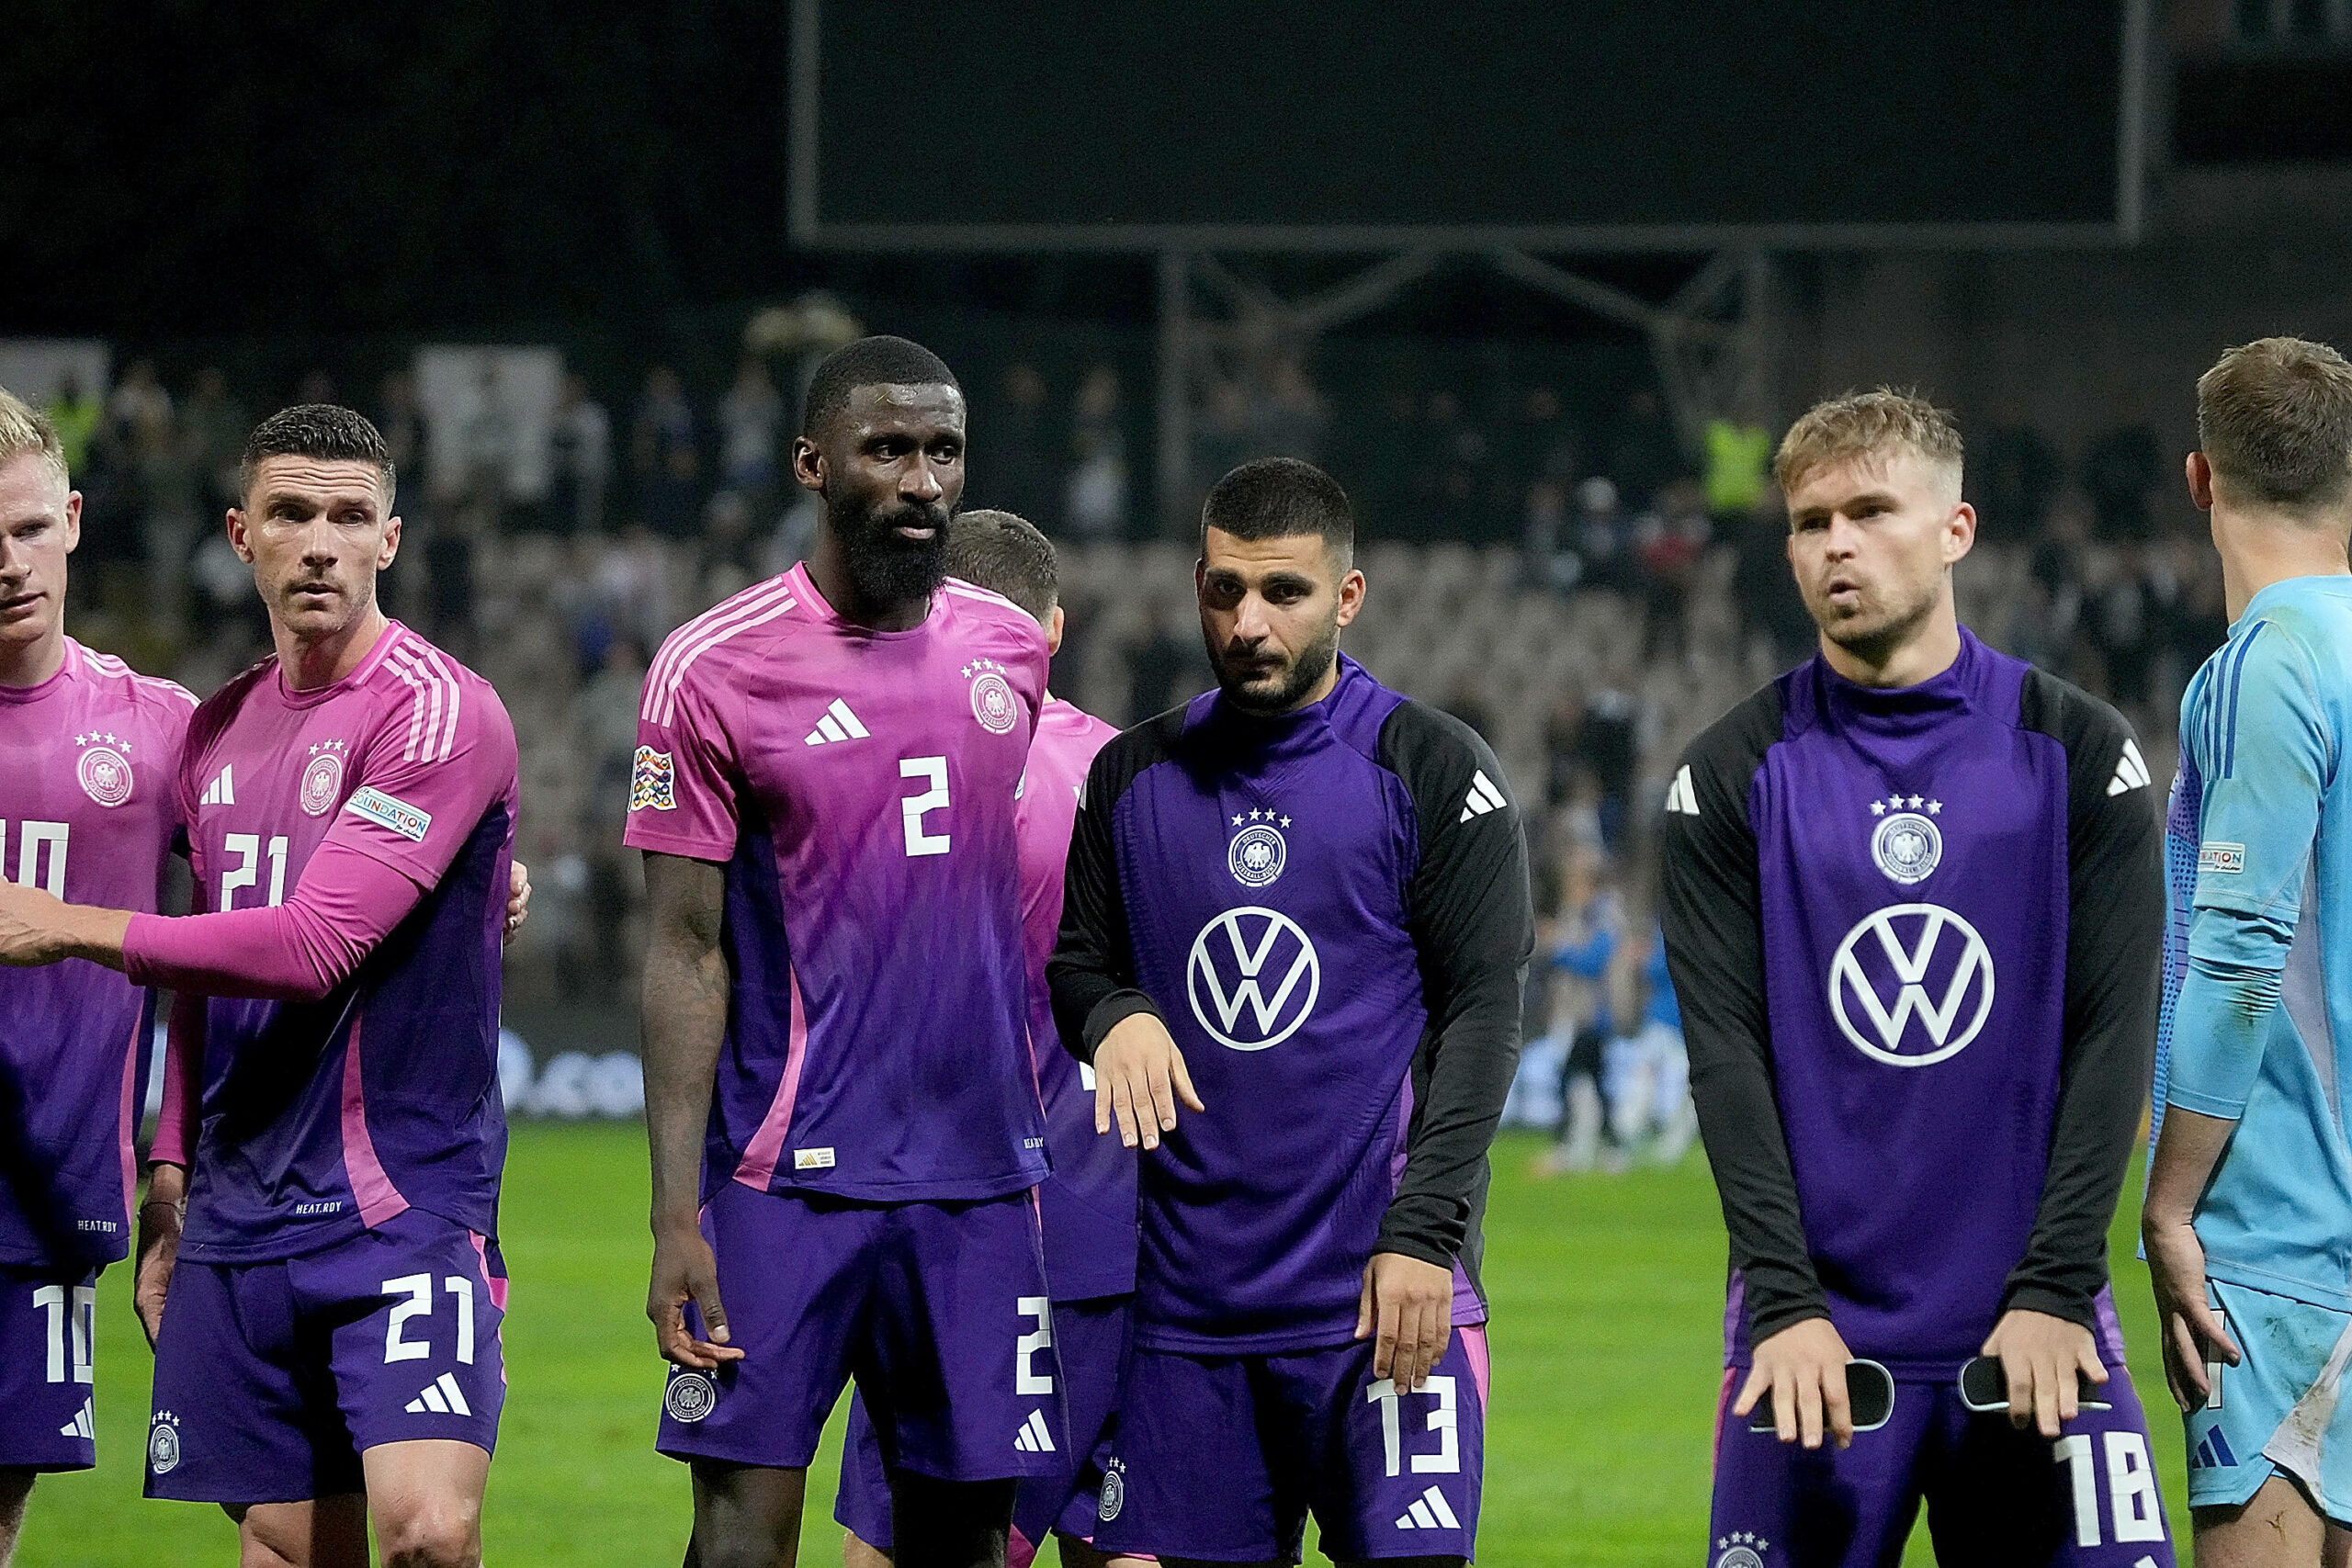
[(2193, 1333), (684, 1004), (1139, 1078), (160, 1217)]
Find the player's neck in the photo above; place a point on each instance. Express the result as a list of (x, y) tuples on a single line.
[(308, 663), (1932, 648), (30, 663), (2257, 552)]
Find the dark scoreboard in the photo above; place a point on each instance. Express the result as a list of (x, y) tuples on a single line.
[(1147, 123)]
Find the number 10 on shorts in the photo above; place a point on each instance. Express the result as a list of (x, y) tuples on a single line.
[(1447, 1460)]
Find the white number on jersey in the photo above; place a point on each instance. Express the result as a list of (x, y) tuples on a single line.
[(248, 875), (76, 1323), (1447, 1460), (2131, 1487), (32, 838), (418, 1289), (1027, 1379), (914, 807)]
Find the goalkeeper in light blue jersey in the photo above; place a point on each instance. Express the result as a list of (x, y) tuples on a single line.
[(2248, 1222)]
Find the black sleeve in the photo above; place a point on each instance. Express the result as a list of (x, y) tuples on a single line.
[(2115, 927), (1712, 908), (1091, 975), (1473, 928)]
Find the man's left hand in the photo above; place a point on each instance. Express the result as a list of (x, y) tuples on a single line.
[(1408, 1307), (2042, 1355), (518, 900)]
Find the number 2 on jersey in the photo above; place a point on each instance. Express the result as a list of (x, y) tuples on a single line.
[(914, 807)]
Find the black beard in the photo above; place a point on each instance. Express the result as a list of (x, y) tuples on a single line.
[(884, 568), (1313, 663)]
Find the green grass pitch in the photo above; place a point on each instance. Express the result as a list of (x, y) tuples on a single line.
[(1608, 1294)]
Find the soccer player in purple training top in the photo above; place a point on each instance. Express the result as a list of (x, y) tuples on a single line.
[(89, 749), (843, 1114), (329, 1351), (1914, 912), (1088, 1205), (1295, 925)]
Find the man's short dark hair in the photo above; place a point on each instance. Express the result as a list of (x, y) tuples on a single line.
[(871, 362), (324, 431), (1007, 555), (2274, 418), (1276, 498)]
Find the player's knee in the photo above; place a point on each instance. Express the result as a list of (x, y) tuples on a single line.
[(431, 1535), (858, 1553)]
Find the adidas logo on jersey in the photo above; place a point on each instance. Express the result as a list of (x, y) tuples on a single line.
[(839, 724), (222, 790), (1681, 794), (2130, 770), (1484, 798), (84, 1425), (441, 1397), (1428, 1512), (1034, 1437)]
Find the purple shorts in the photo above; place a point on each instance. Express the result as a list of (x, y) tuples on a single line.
[(1090, 1345), (271, 1379), (46, 1322), (1222, 1458), (937, 1311), (1995, 1496)]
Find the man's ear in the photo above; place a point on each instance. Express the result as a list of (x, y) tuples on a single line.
[(2200, 480), (807, 465), (1053, 625), (1351, 591), (235, 524), (73, 520)]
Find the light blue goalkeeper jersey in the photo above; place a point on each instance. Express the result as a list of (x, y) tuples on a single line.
[(2257, 975)]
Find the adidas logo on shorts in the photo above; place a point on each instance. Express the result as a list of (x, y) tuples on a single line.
[(441, 1397), (83, 1425), (1034, 1437), (1428, 1512)]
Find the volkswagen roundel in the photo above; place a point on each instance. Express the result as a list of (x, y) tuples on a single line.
[(1253, 978), (1911, 985)]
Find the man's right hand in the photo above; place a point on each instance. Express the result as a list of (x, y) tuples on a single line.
[(1138, 1077), (684, 1271), (1803, 1368), (159, 1245)]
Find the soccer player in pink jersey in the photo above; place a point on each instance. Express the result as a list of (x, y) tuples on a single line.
[(329, 1348), (88, 749), (840, 1097), (1087, 1205)]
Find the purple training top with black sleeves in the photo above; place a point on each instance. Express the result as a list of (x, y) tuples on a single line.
[(89, 814), (1915, 935), (1329, 910), (322, 1119), (859, 787)]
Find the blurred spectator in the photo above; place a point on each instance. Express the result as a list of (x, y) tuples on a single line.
[(1739, 463), (139, 408), (1642, 452), (1096, 496), (751, 418), (1580, 949), (1016, 470), (74, 415), (490, 442), (580, 457), (663, 450), (215, 425), (1603, 537), (1287, 419), (1156, 664), (171, 498), (1552, 560), (1669, 543), (1452, 490), (1221, 437), (2118, 617), (2118, 470), (1764, 587), (1544, 444), (400, 421), (1606, 744), (2014, 475)]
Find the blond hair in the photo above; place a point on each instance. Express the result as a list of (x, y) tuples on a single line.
[(24, 429), (2274, 418), (1867, 424)]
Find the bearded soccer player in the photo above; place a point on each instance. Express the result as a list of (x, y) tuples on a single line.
[(843, 1118), (1913, 913), (329, 1354), (89, 749), (1297, 918), (2249, 1208), (1088, 1205)]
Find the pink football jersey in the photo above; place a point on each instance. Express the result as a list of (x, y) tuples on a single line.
[(859, 787)]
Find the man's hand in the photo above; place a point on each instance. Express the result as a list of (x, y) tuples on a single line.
[(1410, 1306), (518, 900), (1138, 1077), (159, 1245), (683, 1270), (1803, 1368), (2193, 1333), (36, 928), (2042, 1354)]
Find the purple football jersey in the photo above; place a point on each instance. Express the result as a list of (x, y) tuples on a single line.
[(1090, 1201), (323, 1119), (859, 787), (89, 814)]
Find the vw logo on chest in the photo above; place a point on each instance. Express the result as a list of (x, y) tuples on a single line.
[(1253, 978), (1911, 985)]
